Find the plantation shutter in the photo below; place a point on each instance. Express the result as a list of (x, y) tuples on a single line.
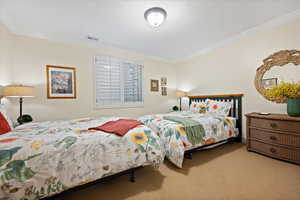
[(118, 82), (132, 82)]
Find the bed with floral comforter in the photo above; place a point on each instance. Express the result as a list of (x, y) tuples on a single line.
[(41, 159), (174, 138)]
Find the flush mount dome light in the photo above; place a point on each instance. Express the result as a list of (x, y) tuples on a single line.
[(155, 16)]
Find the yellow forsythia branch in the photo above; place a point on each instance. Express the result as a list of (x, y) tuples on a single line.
[(284, 90)]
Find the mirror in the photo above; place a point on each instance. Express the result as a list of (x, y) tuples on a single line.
[(288, 73), (282, 66)]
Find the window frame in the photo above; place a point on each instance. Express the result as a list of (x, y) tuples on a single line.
[(119, 104)]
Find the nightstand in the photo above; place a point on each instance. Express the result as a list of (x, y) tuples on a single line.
[(274, 135)]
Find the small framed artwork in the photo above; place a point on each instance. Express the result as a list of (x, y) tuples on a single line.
[(269, 83), (164, 91), (163, 81), (154, 85), (61, 82)]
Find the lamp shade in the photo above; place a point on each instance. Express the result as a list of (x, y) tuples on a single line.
[(18, 91), (181, 93), (1, 91)]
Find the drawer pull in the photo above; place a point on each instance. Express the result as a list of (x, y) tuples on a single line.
[(273, 137), (273, 125), (273, 150)]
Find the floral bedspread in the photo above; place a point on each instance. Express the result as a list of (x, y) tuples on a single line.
[(42, 159), (173, 135)]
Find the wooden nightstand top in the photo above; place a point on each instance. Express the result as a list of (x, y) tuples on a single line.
[(273, 116)]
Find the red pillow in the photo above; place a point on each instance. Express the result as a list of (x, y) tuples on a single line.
[(4, 125)]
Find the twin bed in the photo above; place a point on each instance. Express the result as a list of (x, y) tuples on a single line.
[(38, 160), (215, 128), (41, 159)]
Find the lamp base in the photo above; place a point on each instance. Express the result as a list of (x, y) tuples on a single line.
[(175, 108), (24, 119)]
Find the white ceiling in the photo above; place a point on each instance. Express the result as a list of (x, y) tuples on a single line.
[(191, 25)]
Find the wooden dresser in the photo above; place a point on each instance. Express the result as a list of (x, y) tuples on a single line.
[(275, 135)]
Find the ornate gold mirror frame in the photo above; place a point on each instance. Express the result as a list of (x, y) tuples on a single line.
[(279, 58)]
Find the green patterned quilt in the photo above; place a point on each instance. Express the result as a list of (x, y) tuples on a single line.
[(41, 159)]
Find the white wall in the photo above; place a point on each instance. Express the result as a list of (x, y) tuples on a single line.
[(5, 45), (5, 60), (30, 55), (232, 68), (228, 69)]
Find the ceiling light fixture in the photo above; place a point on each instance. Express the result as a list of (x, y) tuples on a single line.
[(155, 16)]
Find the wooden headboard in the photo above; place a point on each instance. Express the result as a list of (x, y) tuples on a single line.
[(236, 110)]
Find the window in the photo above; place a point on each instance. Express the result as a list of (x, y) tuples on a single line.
[(119, 83)]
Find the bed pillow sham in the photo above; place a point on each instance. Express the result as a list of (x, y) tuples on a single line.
[(218, 107), (4, 113), (198, 107)]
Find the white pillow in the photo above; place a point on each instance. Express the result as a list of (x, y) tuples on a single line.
[(4, 113), (218, 107), (198, 107)]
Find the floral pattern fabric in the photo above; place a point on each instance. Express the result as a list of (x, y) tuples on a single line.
[(41, 159), (218, 107), (173, 135), (198, 107)]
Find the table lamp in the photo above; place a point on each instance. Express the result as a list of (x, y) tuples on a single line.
[(180, 94), (19, 91)]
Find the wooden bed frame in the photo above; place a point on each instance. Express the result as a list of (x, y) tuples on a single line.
[(235, 112)]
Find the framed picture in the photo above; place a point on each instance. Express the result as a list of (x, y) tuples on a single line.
[(164, 91), (61, 82), (269, 83), (163, 81), (154, 85)]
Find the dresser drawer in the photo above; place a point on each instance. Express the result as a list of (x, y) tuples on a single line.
[(275, 138), (288, 126), (289, 154)]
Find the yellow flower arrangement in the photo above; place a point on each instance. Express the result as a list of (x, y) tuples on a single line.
[(139, 137), (284, 91)]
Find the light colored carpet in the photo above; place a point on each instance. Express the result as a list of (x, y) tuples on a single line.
[(227, 172)]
